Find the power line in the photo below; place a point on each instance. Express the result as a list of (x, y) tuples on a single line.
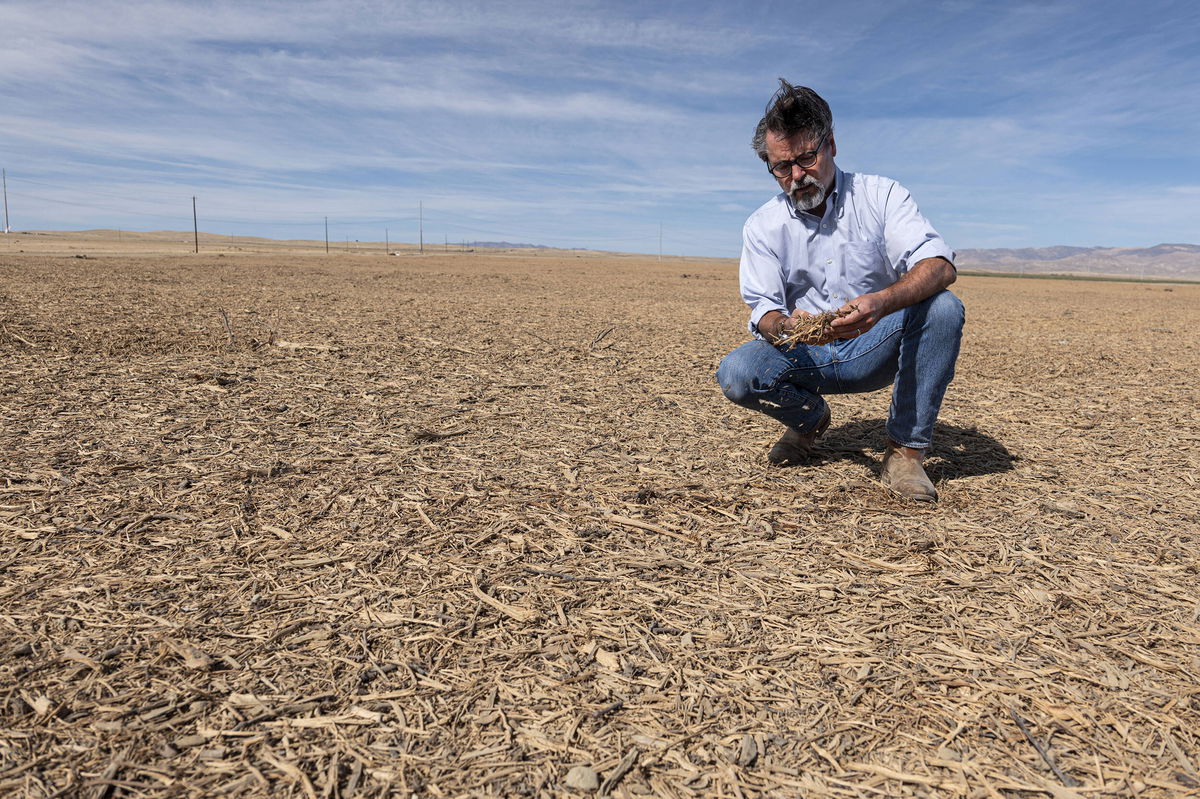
[(126, 212), (89, 205), (208, 219), (466, 225), (141, 199)]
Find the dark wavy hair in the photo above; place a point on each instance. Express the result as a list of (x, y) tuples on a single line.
[(792, 110)]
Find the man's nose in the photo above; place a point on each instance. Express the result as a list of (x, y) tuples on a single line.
[(798, 172)]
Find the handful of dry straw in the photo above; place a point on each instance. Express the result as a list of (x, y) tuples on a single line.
[(812, 329)]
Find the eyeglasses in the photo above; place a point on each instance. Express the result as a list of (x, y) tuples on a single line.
[(781, 169)]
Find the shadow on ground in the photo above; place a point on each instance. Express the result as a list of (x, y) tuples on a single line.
[(957, 451)]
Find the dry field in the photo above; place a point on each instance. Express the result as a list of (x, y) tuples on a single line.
[(482, 525)]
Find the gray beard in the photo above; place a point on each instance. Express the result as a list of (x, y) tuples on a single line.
[(809, 201)]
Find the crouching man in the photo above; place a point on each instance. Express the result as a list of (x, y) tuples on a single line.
[(858, 244)]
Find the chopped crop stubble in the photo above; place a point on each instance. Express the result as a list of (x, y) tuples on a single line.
[(400, 556)]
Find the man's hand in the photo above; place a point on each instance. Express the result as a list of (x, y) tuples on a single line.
[(862, 314), (774, 325)]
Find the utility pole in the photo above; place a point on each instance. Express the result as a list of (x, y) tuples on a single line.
[(327, 235), (421, 227), (660, 241), (195, 225), (7, 229), (387, 245)]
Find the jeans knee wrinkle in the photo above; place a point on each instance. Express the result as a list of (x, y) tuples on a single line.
[(869, 350), (946, 308)]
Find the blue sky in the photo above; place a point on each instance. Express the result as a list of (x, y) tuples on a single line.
[(593, 124)]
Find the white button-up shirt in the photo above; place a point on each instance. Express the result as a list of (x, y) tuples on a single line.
[(871, 234)]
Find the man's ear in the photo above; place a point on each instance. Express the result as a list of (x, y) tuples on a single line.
[(832, 146)]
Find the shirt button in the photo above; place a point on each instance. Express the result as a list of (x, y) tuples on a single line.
[(828, 260)]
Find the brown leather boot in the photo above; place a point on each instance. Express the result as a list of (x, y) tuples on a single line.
[(794, 446), (903, 473)]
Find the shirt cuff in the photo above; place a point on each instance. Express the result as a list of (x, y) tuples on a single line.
[(931, 248)]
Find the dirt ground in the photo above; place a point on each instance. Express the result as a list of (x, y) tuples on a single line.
[(482, 525)]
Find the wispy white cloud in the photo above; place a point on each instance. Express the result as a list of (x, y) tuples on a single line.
[(590, 119)]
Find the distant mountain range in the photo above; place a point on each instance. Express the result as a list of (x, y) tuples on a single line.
[(507, 245), (1181, 261)]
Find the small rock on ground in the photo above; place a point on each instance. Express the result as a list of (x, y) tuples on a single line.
[(583, 778)]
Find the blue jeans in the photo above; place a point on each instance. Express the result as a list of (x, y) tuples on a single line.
[(913, 350)]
